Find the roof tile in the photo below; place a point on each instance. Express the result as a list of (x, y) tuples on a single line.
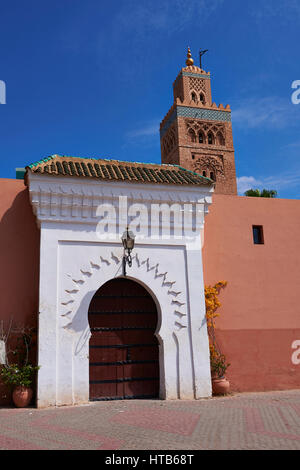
[(115, 170)]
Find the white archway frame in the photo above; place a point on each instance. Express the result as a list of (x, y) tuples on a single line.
[(74, 323), (74, 264)]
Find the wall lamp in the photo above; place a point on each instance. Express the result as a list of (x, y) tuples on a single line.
[(128, 244)]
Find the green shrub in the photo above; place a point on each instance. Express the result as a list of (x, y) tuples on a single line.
[(14, 375)]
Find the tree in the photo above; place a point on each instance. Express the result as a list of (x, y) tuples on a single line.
[(264, 193)]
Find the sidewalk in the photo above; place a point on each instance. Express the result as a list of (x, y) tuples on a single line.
[(268, 420)]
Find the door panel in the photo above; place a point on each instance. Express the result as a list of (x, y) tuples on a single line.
[(123, 347)]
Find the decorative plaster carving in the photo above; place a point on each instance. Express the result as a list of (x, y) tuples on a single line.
[(169, 141), (146, 263), (209, 163), (77, 202), (197, 84), (197, 126)]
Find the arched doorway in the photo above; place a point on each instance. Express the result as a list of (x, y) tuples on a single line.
[(123, 350)]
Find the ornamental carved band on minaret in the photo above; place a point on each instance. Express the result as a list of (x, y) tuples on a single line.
[(201, 132), (169, 141), (197, 84)]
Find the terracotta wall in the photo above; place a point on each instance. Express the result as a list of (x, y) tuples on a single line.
[(19, 260), (260, 315)]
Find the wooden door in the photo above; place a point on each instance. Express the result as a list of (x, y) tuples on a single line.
[(123, 348)]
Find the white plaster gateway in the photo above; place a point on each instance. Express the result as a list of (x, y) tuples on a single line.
[(75, 263)]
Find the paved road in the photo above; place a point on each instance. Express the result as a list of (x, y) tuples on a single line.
[(269, 420)]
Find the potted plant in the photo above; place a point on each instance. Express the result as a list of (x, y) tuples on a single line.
[(218, 363), (20, 378), (16, 370)]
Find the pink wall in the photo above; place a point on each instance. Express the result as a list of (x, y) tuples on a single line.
[(19, 255), (260, 316)]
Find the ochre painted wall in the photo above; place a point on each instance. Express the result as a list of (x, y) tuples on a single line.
[(260, 314), (19, 260)]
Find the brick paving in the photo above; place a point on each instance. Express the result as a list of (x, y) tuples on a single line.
[(250, 421)]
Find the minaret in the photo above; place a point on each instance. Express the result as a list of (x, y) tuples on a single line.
[(196, 133)]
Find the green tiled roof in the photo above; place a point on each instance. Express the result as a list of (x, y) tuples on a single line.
[(116, 170), (20, 172)]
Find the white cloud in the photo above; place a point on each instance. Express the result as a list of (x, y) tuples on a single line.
[(293, 145), (167, 15), (283, 11), (247, 182), (149, 129), (269, 112), (283, 180), (278, 182), (145, 136)]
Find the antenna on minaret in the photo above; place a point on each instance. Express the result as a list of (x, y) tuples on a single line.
[(201, 53)]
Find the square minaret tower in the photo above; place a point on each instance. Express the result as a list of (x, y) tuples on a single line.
[(196, 133)]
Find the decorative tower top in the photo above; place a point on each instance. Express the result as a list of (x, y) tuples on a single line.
[(196, 133), (189, 60)]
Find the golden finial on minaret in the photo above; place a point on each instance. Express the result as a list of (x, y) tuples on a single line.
[(189, 60)]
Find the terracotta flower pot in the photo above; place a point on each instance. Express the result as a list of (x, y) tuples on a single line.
[(220, 386), (22, 396)]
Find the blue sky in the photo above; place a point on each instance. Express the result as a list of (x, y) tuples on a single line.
[(94, 78)]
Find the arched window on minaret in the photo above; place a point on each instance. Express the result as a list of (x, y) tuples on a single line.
[(210, 138), (220, 139), (204, 173), (212, 176), (201, 137), (194, 96), (202, 98), (192, 135)]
